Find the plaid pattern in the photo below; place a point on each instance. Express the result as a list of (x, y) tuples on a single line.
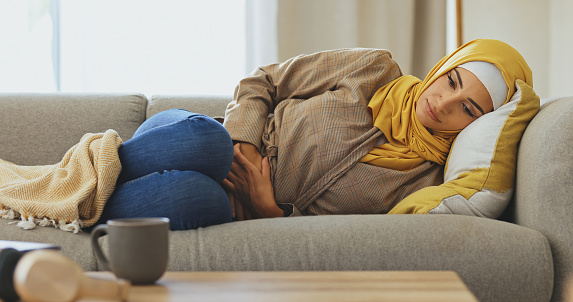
[(68, 195), (310, 115)]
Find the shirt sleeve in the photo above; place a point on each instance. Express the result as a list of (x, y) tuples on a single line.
[(300, 78), (289, 210)]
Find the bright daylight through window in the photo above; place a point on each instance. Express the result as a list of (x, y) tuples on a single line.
[(146, 46)]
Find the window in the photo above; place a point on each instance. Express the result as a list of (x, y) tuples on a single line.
[(26, 51), (147, 46)]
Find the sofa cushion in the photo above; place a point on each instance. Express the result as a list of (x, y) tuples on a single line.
[(38, 129), (212, 106), (75, 246), (498, 261)]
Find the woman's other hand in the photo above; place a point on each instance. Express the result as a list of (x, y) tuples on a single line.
[(239, 211), (251, 186)]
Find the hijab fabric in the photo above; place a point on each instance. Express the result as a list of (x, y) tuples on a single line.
[(490, 76), (393, 106)]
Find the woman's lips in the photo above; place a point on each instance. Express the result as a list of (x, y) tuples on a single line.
[(431, 113)]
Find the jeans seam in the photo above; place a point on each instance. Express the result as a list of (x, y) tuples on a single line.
[(142, 177)]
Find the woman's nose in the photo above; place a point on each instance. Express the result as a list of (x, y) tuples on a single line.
[(446, 103)]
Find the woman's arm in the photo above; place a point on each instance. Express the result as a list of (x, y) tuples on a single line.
[(300, 78)]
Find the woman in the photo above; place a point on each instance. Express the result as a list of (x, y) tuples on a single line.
[(337, 132)]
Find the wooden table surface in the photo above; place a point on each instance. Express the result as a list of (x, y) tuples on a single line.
[(301, 286)]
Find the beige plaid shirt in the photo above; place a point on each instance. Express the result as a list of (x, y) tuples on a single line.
[(310, 115)]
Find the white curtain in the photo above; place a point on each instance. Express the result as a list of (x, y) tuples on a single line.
[(146, 46), (413, 30), (200, 47), (261, 33)]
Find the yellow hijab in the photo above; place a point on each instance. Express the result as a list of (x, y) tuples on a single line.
[(393, 106)]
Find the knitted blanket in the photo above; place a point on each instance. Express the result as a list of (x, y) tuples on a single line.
[(68, 195)]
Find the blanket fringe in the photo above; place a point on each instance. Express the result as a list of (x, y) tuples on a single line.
[(31, 222), (9, 214), (73, 226), (27, 224)]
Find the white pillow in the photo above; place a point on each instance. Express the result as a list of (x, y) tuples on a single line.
[(480, 171)]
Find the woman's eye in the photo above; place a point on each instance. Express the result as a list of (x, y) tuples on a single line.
[(468, 111), (452, 83)]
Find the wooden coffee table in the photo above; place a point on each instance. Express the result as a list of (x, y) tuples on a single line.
[(302, 286)]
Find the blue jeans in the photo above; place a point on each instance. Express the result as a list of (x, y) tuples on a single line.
[(172, 167)]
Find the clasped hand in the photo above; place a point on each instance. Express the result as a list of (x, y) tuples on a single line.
[(251, 189)]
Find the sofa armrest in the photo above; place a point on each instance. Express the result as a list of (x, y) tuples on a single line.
[(544, 185)]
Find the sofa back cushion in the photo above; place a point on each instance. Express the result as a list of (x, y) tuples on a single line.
[(213, 106), (38, 129)]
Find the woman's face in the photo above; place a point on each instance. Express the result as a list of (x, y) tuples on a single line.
[(453, 101)]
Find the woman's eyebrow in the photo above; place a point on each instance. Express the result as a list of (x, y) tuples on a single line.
[(477, 106), (459, 78), (469, 99)]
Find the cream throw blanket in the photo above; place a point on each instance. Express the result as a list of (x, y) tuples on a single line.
[(68, 195)]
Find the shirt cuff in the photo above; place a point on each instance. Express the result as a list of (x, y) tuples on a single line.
[(287, 209)]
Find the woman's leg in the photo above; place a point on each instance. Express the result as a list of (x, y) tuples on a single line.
[(172, 167), (177, 140), (189, 199)]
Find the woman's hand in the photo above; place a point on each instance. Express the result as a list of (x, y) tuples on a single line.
[(252, 154), (239, 211), (251, 186)]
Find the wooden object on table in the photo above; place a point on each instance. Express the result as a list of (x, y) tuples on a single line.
[(328, 286), (45, 276)]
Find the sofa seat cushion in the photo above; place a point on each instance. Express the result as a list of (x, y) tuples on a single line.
[(498, 261), (75, 246)]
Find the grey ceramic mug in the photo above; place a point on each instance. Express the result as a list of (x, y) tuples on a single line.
[(138, 248)]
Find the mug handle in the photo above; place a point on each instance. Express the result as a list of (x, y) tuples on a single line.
[(98, 232)]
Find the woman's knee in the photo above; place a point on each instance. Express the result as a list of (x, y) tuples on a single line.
[(208, 147), (163, 118), (194, 142)]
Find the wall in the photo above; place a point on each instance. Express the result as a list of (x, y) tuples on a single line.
[(561, 48), (542, 31), (413, 30)]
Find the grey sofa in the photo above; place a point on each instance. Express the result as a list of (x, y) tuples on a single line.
[(525, 256)]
